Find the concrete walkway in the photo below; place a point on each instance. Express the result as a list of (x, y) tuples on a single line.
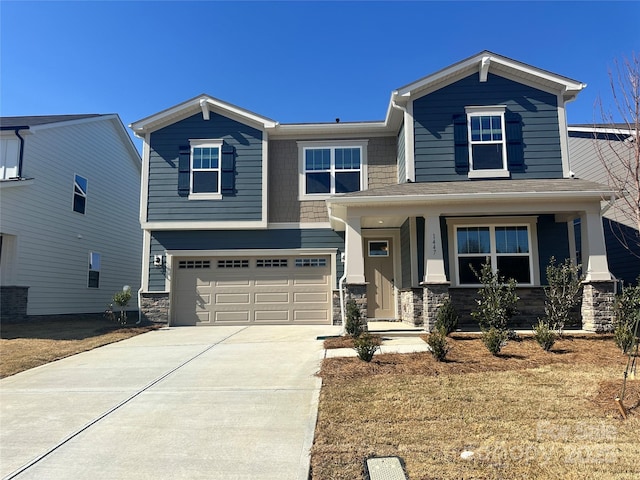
[(215, 403)]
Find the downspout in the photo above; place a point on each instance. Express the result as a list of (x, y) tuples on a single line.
[(21, 151), (399, 107), (139, 307), (344, 275), (604, 209)]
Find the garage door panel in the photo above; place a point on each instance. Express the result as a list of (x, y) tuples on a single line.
[(272, 297), (234, 317), (275, 316), (233, 298), (245, 290), (310, 315), (310, 297), (272, 281)]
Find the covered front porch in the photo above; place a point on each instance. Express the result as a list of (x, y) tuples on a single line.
[(410, 246)]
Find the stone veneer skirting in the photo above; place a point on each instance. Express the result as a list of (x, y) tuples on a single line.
[(597, 306), (155, 307), (13, 303)]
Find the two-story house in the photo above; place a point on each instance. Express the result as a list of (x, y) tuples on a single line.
[(69, 231), (247, 220)]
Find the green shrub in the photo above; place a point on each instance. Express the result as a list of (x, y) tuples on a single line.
[(544, 335), (497, 302), (366, 345), (447, 318), (353, 325), (562, 293), (437, 342), (494, 339), (627, 316)]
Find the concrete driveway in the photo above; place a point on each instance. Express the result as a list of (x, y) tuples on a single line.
[(188, 402)]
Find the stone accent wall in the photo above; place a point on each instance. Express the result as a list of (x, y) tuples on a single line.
[(412, 306), (530, 306), (357, 292), (597, 306), (434, 296), (155, 307), (13, 303)]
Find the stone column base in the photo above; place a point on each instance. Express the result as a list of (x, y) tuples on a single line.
[(358, 293), (434, 296), (412, 306), (597, 306)]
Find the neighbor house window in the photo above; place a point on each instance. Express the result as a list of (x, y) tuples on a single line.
[(487, 141), (205, 169), (94, 270), (9, 155), (508, 248), (79, 194), (329, 168)]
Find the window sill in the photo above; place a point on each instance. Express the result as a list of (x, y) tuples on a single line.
[(319, 196), (489, 174), (205, 196)]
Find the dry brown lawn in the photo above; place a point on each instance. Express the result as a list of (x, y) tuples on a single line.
[(525, 414), (28, 345)]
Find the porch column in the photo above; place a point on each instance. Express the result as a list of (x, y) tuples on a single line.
[(594, 251), (353, 247), (433, 254)]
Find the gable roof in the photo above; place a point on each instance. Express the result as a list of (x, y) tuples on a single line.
[(35, 120), (202, 103), (33, 123)]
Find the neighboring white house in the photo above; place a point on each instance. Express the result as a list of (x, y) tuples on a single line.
[(589, 145), (69, 199)]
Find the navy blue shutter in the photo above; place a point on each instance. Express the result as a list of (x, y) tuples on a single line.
[(228, 164), (184, 174), (460, 138), (515, 148)]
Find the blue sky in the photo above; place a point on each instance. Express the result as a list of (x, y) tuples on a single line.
[(290, 61)]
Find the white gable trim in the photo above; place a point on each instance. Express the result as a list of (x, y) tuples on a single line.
[(202, 103)]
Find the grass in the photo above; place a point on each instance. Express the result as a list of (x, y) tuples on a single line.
[(28, 345), (524, 414)]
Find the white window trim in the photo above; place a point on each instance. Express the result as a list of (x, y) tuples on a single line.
[(497, 110), (85, 194), (492, 222), (204, 144), (304, 145), (385, 250), (9, 157)]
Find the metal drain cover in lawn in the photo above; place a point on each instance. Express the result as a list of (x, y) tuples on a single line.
[(385, 468)]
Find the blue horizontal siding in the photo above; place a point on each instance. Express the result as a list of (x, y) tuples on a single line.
[(433, 124), (164, 203), (239, 239)]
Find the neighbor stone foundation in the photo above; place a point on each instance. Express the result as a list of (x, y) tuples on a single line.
[(155, 307), (13, 303), (597, 306)]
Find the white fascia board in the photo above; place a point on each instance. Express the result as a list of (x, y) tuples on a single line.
[(204, 225), (331, 130), (613, 131), (493, 197), (195, 105), (506, 67), (298, 225)]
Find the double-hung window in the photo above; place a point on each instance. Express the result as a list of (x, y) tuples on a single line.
[(80, 185), (205, 169), (331, 167), (487, 142), (509, 248), (9, 157)]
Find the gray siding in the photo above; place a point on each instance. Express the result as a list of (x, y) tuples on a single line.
[(433, 114), (239, 239), (52, 242), (164, 204), (405, 254), (402, 161)]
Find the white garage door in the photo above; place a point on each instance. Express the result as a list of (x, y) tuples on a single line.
[(250, 290)]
